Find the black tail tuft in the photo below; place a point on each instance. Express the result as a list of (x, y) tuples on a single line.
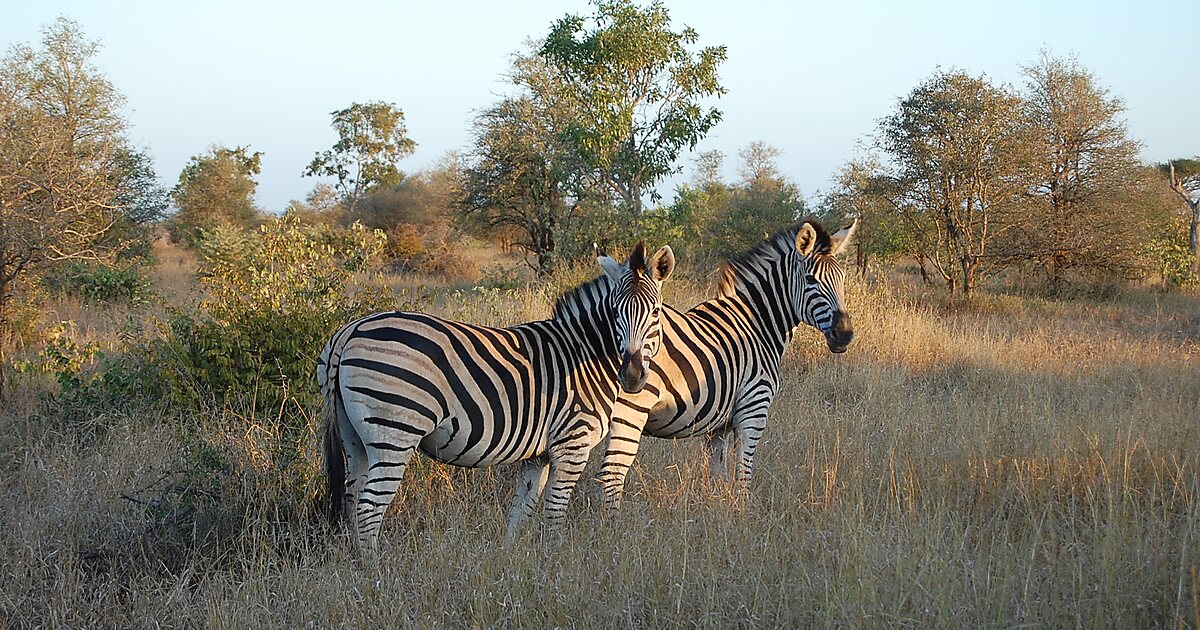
[(335, 458)]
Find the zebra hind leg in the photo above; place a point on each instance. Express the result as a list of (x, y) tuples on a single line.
[(387, 463), (534, 473), (356, 478), (356, 466), (717, 445)]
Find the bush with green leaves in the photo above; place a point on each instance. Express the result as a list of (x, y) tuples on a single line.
[(125, 283), (1169, 256), (270, 305)]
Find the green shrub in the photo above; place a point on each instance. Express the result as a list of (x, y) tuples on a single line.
[(125, 283), (270, 306), (1170, 257)]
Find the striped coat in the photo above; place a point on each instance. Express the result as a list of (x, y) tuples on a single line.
[(718, 370), (540, 393)]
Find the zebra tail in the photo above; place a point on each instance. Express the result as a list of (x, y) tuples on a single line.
[(335, 458)]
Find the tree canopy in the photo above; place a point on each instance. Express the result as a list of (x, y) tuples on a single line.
[(215, 188), (957, 147), (372, 139), (62, 146), (636, 91)]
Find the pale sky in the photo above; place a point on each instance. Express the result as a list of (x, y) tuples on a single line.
[(811, 79)]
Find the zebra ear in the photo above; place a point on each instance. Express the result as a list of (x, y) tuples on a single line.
[(841, 239), (806, 239), (612, 268), (662, 263)]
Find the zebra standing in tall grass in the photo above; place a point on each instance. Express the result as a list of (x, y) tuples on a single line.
[(540, 393), (719, 369)]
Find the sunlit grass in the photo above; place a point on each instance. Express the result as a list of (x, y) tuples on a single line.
[(1008, 461)]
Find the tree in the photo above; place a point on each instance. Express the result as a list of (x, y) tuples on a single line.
[(1184, 179), (372, 139), (215, 188), (61, 136), (320, 206), (956, 143), (139, 199), (1085, 176), (761, 203), (517, 178), (758, 162), (635, 89), (862, 190), (423, 198)]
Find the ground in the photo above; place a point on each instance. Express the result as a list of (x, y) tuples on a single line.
[(1005, 461)]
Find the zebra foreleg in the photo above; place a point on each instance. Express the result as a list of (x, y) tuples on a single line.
[(568, 459), (564, 476), (624, 439), (534, 473), (750, 423)]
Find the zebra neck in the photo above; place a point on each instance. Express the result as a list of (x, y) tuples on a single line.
[(582, 318), (763, 291)]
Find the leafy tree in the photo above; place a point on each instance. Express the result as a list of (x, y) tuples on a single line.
[(956, 143), (372, 139), (1184, 179), (517, 179), (215, 188), (320, 206), (696, 205), (712, 218), (140, 201), (1086, 176), (426, 197), (635, 91), (886, 231), (761, 203), (60, 135)]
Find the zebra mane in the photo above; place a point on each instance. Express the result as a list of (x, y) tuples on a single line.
[(770, 247), (582, 299)]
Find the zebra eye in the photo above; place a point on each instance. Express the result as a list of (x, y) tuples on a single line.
[(811, 279), (655, 312)]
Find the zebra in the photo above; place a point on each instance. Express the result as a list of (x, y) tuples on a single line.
[(539, 393), (719, 368)]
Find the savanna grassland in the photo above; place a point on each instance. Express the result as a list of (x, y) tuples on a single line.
[(1001, 462)]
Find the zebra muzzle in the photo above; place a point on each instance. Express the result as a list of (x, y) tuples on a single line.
[(633, 373), (840, 334)]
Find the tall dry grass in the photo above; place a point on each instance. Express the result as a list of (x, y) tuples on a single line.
[(1009, 461)]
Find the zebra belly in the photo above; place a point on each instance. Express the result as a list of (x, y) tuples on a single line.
[(474, 444), (679, 415)]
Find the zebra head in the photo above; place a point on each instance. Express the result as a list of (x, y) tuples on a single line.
[(636, 302), (818, 283)]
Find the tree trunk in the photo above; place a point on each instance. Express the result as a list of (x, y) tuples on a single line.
[(4, 342), (968, 268), (1194, 235), (1177, 185)]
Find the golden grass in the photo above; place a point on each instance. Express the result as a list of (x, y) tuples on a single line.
[(1011, 461)]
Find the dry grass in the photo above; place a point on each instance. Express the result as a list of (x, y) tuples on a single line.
[(1007, 462)]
